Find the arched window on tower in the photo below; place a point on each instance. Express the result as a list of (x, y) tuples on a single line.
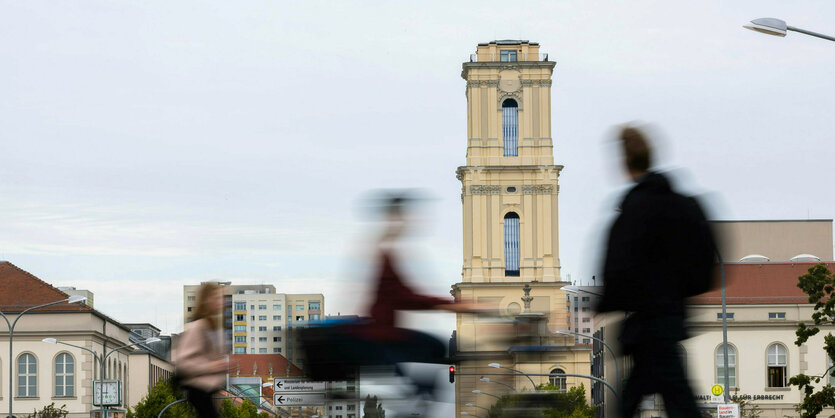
[(557, 379), (510, 127), (511, 244)]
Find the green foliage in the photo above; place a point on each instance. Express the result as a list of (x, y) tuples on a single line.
[(50, 411), (819, 284), (548, 403), (372, 408), (247, 409), (162, 394)]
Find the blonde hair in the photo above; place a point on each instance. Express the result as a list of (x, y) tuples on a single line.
[(205, 292)]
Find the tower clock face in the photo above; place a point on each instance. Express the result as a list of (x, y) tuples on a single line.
[(509, 81)]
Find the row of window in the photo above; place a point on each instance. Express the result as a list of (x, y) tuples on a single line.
[(242, 350), (776, 359), (63, 374), (771, 315), (311, 306), (242, 318)]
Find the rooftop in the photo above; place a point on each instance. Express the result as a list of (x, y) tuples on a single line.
[(760, 283), (20, 290)]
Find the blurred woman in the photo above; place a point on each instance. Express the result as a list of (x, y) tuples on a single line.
[(199, 358)]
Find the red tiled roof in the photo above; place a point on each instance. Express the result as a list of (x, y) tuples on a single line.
[(759, 283), (247, 363), (20, 290)]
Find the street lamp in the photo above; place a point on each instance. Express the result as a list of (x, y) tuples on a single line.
[(478, 392), (611, 351), (100, 359), (574, 289), (777, 27), (487, 380), (499, 366), (467, 413), (11, 325), (472, 405)]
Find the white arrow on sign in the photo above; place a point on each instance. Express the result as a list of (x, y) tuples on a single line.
[(298, 399), (296, 385)]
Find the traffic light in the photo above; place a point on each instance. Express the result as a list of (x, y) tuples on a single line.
[(451, 374)]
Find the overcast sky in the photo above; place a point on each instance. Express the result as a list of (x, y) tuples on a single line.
[(146, 145)]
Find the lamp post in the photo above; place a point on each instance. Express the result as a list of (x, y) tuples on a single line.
[(11, 325), (499, 366), (472, 405), (487, 380), (778, 27), (100, 359), (611, 351), (478, 392)]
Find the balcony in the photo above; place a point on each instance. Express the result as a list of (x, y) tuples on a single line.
[(523, 57)]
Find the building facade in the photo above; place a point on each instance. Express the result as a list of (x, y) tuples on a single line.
[(257, 320), (509, 199), (62, 372)]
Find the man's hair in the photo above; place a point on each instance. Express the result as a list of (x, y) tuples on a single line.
[(636, 149)]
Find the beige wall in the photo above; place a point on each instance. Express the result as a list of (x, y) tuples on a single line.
[(145, 371), (777, 240)]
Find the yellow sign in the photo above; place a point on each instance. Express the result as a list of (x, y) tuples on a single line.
[(716, 390)]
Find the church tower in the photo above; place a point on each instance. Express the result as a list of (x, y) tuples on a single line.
[(509, 196)]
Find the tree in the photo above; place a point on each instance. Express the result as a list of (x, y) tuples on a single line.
[(819, 284), (160, 395), (50, 411), (372, 408), (548, 401), (246, 409)]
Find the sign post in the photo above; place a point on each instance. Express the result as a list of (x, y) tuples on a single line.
[(716, 392)]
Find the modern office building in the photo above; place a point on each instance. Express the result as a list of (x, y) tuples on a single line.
[(581, 317), (509, 198), (257, 320)]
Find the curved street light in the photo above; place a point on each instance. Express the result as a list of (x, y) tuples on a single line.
[(611, 351), (472, 405), (71, 299), (499, 366), (778, 27), (100, 359), (487, 380), (478, 392)]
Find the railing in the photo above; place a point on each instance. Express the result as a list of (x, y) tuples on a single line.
[(525, 57)]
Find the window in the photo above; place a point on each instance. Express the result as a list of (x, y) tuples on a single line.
[(586, 309), (299, 307), (276, 339), (262, 317), (729, 315), (586, 330), (64, 375), (262, 307), (252, 339), (191, 298), (262, 339), (576, 309), (276, 317), (240, 350), (299, 318), (240, 318), (27, 376), (720, 365), (252, 307), (189, 309), (586, 340), (575, 298), (314, 306), (510, 127), (262, 351), (556, 380), (776, 366), (252, 350), (511, 244), (240, 328), (240, 306), (586, 298), (276, 350), (507, 55), (262, 328), (252, 317), (776, 315), (277, 328), (586, 320), (276, 307), (315, 317), (252, 329), (240, 339)]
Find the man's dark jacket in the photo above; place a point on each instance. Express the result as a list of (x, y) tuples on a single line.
[(660, 251)]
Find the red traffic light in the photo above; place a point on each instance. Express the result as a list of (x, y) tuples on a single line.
[(452, 369), (451, 374)]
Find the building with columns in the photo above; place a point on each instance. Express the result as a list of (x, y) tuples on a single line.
[(510, 218)]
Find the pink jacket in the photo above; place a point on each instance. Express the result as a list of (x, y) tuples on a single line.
[(197, 348)]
